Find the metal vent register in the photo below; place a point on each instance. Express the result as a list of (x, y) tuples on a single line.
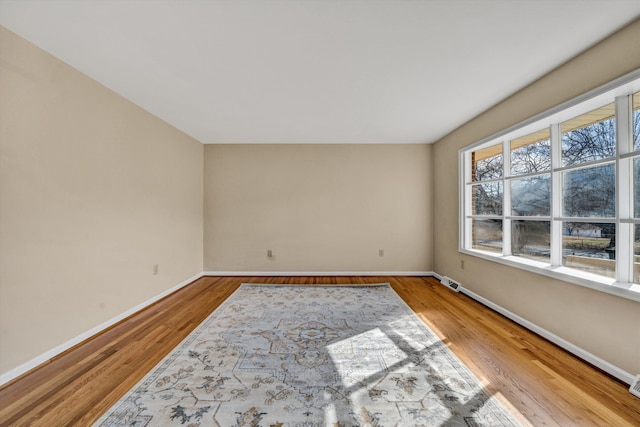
[(450, 283), (635, 387)]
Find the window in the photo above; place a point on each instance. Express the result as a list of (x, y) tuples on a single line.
[(636, 186), (560, 195), (530, 187), (636, 121)]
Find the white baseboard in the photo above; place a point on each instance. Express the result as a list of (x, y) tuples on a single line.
[(583, 354), (45, 357), (621, 374), (317, 273), (613, 370)]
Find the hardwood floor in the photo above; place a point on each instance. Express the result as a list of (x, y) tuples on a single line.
[(536, 380)]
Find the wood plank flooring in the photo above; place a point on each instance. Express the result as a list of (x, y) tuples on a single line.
[(539, 382)]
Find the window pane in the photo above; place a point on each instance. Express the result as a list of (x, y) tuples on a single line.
[(636, 188), (636, 255), (636, 121), (591, 136), (531, 196), (487, 163), (531, 239), (590, 247), (590, 192), (487, 198), (487, 235), (531, 153)]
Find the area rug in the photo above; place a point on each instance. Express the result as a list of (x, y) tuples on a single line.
[(310, 356)]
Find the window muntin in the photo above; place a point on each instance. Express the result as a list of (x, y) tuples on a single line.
[(636, 121), (589, 137), (636, 254), (587, 229), (636, 187), (531, 153)]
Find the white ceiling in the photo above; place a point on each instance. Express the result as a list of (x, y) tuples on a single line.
[(312, 71)]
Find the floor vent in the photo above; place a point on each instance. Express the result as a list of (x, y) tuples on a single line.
[(450, 283), (635, 387)]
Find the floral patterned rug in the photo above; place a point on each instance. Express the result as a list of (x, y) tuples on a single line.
[(310, 356)]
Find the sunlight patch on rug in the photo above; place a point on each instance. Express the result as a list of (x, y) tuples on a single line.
[(310, 356)]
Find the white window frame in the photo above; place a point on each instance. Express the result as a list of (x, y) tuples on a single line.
[(619, 92)]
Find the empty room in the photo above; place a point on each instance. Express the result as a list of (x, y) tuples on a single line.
[(344, 213)]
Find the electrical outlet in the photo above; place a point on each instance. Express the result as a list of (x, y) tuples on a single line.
[(269, 253), (380, 252), (155, 269), (462, 264)]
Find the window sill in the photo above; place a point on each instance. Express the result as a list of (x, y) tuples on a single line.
[(592, 281)]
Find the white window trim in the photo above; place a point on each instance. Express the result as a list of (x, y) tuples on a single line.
[(617, 91)]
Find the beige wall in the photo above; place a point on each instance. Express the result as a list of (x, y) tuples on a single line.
[(93, 192), (605, 325), (318, 207)]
